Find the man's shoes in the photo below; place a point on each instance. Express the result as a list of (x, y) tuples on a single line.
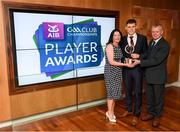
[(156, 122), (126, 113), (147, 117), (135, 121)]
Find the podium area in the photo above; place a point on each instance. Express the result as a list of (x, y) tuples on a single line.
[(93, 119)]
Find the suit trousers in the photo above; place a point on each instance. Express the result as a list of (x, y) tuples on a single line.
[(154, 98), (133, 79)]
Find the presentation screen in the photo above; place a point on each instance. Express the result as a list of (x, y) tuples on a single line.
[(51, 47)]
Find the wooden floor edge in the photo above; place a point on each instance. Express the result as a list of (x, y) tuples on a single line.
[(45, 115)]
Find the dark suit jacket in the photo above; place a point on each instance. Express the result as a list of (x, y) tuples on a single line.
[(156, 62), (140, 47)]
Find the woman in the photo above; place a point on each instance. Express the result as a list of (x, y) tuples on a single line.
[(113, 71)]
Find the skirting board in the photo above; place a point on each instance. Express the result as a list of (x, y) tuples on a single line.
[(60, 111), (176, 84), (5, 124), (29, 119)]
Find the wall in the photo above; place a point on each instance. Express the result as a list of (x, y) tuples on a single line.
[(16, 104), (174, 62), (4, 92), (178, 7)]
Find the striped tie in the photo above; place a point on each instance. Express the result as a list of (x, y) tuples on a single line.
[(131, 40)]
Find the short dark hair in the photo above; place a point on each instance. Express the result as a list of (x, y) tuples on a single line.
[(112, 34), (131, 21)]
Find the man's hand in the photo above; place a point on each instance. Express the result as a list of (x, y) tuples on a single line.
[(135, 56), (136, 62)]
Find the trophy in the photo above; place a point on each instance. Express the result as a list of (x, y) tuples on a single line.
[(129, 49)]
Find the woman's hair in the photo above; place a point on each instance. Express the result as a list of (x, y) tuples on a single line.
[(112, 34)]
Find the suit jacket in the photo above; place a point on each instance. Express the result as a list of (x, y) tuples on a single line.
[(140, 47), (156, 62)]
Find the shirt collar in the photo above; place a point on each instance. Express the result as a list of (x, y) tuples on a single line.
[(134, 35), (157, 39)]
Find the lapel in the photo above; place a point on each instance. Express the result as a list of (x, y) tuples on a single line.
[(158, 43), (156, 47), (126, 42), (137, 42)]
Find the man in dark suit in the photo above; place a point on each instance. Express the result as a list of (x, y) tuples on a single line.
[(133, 76), (156, 73)]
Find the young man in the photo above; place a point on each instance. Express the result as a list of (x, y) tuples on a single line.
[(156, 73), (133, 77)]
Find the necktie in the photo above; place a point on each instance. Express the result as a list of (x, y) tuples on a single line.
[(153, 43), (131, 40)]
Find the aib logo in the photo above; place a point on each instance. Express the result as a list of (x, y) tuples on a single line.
[(53, 31)]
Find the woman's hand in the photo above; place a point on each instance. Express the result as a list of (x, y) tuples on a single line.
[(130, 65), (135, 56), (133, 63)]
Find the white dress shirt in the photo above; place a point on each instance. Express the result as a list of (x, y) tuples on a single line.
[(157, 40), (134, 39)]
